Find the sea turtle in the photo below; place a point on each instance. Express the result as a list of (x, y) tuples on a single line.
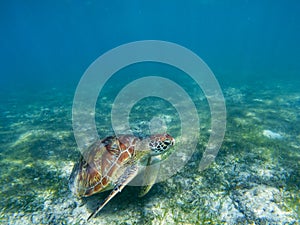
[(111, 163)]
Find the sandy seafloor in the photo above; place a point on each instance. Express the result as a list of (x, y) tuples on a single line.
[(254, 180)]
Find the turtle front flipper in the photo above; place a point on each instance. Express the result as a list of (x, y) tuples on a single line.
[(130, 172), (150, 174)]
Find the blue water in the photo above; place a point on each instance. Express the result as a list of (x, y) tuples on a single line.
[(54, 42), (253, 49)]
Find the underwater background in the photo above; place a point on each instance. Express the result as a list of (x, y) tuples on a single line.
[(253, 49)]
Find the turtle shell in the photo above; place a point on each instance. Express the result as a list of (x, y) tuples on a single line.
[(102, 164)]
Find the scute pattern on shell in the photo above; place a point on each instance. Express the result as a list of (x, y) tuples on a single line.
[(101, 165)]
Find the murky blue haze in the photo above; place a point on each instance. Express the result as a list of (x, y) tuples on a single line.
[(253, 49)]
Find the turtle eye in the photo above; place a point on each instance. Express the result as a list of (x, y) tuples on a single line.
[(167, 142)]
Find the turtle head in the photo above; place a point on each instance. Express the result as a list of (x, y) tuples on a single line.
[(160, 143)]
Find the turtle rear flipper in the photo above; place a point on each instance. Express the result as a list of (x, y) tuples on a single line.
[(150, 174), (129, 174)]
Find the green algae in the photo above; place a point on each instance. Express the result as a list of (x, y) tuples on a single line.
[(36, 159)]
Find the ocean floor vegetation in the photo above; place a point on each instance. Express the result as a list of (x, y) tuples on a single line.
[(255, 178)]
